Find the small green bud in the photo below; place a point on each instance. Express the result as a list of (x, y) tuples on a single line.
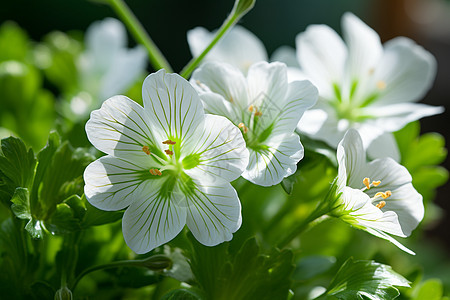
[(63, 294)]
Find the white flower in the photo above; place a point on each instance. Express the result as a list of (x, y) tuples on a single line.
[(168, 163), (362, 84), (239, 47), (267, 109), (107, 67), (378, 196)]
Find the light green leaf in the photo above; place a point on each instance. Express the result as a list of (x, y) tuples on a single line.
[(14, 43), (288, 183), (311, 266), (366, 278), (431, 289), (21, 204)]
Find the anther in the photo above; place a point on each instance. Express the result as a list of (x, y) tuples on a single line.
[(169, 142), (251, 107), (376, 183), (385, 195), (168, 152), (381, 85), (258, 113), (366, 182), (155, 172), (243, 127), (146, 149), (381, 204)]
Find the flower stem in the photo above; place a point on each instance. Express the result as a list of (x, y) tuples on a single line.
[(155, 262), (157, 59), (240, 8)]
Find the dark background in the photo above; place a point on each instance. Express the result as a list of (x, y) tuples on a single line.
[(276, 23)]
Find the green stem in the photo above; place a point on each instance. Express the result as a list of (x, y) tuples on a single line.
[(70, 257), (160, 262), (157, 59), (227, 25)]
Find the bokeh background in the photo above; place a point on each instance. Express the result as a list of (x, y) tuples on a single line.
[(276, 23)]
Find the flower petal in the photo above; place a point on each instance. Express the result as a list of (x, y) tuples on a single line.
[(384, 146), (152, 220), (223, 79), (217, 105), (120, 128), (301, 95), (110, 182), (269, 166), (173, 106), (123, 72), (387, 237), (267, 83), (364, 51), (406, 70), (321, 54), (213, 212), (394, 117), (239, 47), (221, 149), (351, 152), (287, 55)]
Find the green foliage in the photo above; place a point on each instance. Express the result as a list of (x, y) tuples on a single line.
[(421, 155), (247, 274), (372, 280), (431, 290)]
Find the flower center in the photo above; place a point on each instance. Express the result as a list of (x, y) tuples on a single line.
[(379, 195), (168, 163)]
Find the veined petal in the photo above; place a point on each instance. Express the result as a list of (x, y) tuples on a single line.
[(110, 182), (322, 54), (221, 151), (213, 212), (301, 95), (123, 71), (391, 174), (406, 72), (384, 145), (267, 84), (152, 220), (394, 117), (238, 47), (173, 106), (380, 234), (120, 128), (364, 51), (223, 79), (217, 105), (351, 151), (269, 166)]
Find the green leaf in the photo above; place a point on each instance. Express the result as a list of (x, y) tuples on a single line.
[(311, 266), (181, 294), (95, 216), (288, 183), (431, 289), (14, 43), (359, 278), (21, 204)]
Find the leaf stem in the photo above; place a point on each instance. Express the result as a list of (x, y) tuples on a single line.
[(157, 59)]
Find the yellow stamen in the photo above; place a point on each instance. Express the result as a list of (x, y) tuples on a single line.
[(385, 195), (376, 183), (243, 127), (381, 204), (231, 99), (169, 142), (155, 172), (388, 194), (168, 152), (251, 108), (258, 113), (381, 85), (146, 149), (366, 182)]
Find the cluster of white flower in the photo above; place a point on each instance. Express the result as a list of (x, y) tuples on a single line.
[(170, 163)]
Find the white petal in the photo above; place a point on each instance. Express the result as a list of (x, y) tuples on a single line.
[(269, 166), (406, 71), (321, 54), (394, 117), (287, 55), (222, 79), (173, 106), (387, 237), (387, 170), (267, 83), (301, 95), (120, 128), (384, 146), (104, 39), (223, 155), (213, 213), (111, 181), (123, 72), (217, 105), (351, 152), (364, 51), (239, 47), (152, 220)]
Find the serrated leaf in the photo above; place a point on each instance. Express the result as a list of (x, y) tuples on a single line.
[(21, 204), (366, 278)]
